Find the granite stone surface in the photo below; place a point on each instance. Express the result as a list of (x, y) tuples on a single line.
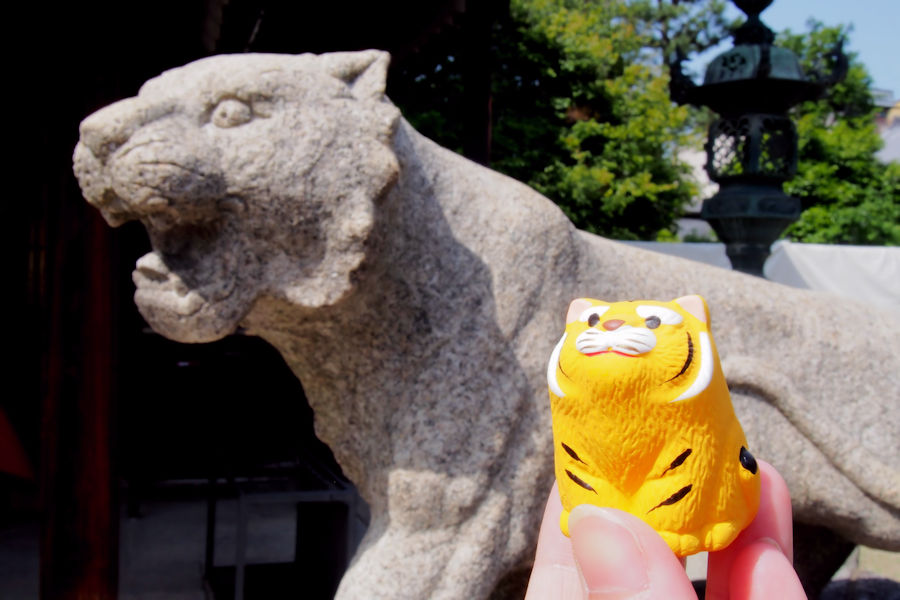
[(418, 296)]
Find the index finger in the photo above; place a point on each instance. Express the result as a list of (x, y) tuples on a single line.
[(772, 522)]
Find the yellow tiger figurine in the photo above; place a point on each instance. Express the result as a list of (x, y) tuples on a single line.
[(643, 422)]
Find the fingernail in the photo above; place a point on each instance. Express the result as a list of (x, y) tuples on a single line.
[(610, 558), (771, 542)]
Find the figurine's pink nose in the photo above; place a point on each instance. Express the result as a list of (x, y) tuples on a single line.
[(612, 324)]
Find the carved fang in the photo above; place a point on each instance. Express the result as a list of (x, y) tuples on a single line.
[(551, 369)]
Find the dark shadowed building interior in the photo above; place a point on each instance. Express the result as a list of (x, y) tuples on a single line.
[(106, 419)]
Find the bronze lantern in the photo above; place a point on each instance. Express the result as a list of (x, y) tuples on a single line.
[(752, 146)]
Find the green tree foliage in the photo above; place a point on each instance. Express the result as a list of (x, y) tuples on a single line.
[(849, 196), (581, 106), (685, 25)]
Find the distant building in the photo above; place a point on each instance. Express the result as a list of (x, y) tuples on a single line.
[(888, 123), (882, 97), (691, 225)]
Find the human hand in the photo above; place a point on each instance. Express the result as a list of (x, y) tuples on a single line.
[(612, 554)]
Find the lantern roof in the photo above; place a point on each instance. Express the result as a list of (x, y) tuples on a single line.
[(755, 76)]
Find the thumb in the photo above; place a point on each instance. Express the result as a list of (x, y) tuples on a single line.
[(619, 556)]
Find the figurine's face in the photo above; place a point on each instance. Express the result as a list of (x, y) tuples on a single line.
[(658, 350)]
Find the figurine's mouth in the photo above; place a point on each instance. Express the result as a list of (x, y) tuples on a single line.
[(611, 352)]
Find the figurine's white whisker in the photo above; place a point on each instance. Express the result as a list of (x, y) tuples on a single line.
[(625, 339)]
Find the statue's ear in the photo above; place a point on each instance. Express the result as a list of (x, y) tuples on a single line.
[(695, 305), (365, 72)]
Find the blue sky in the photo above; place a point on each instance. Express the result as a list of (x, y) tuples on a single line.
[(875, 36)]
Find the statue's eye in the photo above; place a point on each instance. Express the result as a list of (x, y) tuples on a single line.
[(231, 113), (593, 319), (652, 322)]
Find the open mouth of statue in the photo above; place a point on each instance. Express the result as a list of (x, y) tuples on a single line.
[(157, 285), (611, 351)]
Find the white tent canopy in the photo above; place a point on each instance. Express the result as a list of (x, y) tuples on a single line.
[(869, 274)]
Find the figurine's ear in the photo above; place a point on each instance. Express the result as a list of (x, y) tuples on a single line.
[(695, 305), (578, 306), (365, 72)]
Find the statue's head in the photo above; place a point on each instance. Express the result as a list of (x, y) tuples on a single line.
[(253, 175)]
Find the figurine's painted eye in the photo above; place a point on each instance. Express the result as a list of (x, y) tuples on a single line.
[(592, 312), (747, 461), (664, 315), (652, 322), (593, 319)]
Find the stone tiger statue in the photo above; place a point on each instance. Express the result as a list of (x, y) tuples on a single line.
[(643, 422), (417, 297)]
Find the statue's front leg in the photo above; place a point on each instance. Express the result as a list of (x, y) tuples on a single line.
[(432, 543)]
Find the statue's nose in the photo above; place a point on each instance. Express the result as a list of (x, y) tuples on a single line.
[(613, 324), (107, 129)]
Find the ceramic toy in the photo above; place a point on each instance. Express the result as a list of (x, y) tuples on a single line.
[(643, 422)]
